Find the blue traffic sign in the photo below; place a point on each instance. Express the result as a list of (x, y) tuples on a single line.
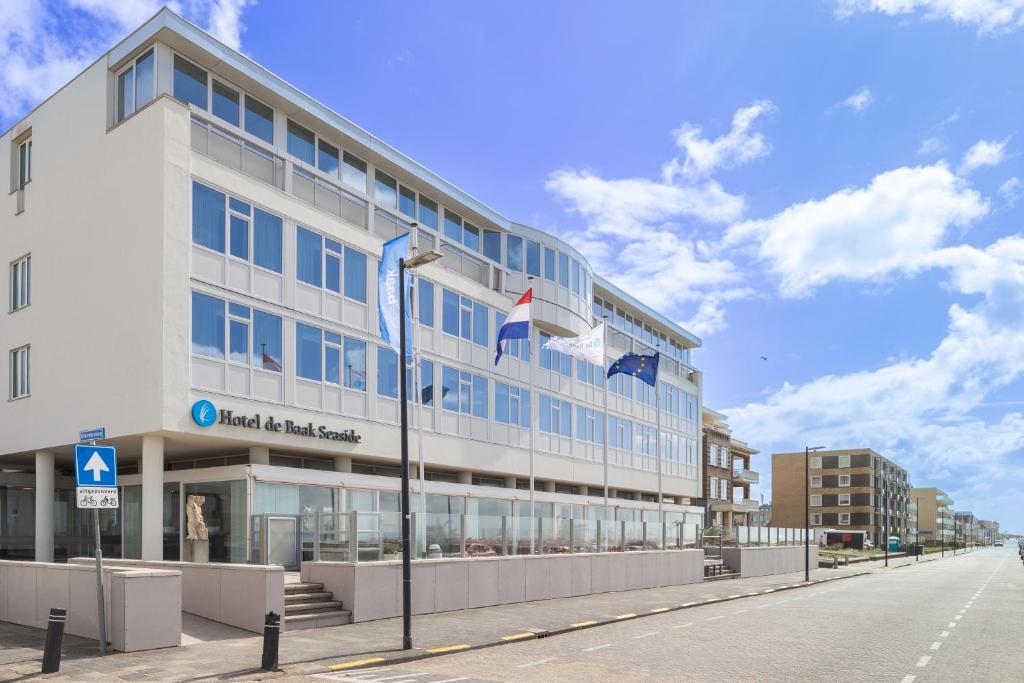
[(98, 434), (95, 465)]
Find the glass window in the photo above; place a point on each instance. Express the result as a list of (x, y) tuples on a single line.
[(387, 372), (479, 396), (844, 499), (407, 201), (428, 212), (208, 215), (480, 320), (24, 163), (267, 239), (355, 364), (575, 276), (533, 258), (238, 333), (355, 274), (816, 501), (353, 172), (239, 237), (126, 93), (21, 283), (225, 102), (452, 226), (449, 389), (492, 245), (815, 462), (300, 142), (327, 158), (144, 82), (207, 326), (426, 302), (844, 461), (385, 189), (501, 402), (549, 264), (308, 351), (332, 266), (259, 119), (308, 256), (563, 270), (189, 82), (471, 237), (449, 312), (427, 382), (514, 252), (266, 340), (815, 482)]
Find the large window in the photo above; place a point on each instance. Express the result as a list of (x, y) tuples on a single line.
[(190, 82), (245, 336), (323, 262), (428, 212), (328, 159), (425, 302), (549, 264), (620, 433), (301, 142), (556, 361), (589, 425), (492, 245), (135, 85), (20, 372), (589, 373), (259, 119), (517, 348), (207, 326), (21, 283), (463, 317), (24, 163), (385, 189), (511, 404), (309, 352), (563, 269), (514, 252), (226, 102), (555, 416), (387, 372), (533, 258), (463, 392), (230, 225)]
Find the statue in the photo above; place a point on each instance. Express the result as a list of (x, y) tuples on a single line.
[(197, 530)]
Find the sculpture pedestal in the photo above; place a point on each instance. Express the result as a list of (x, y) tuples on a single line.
[(197, 550)]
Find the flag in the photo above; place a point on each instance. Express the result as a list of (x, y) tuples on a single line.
[(588, 347), (517, 324), (270, 363), (387, 293), (639, 366)]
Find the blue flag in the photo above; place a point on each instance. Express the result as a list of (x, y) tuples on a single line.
[(641, 367), (387, 294)]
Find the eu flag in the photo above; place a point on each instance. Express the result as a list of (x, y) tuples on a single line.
[(639, 366)]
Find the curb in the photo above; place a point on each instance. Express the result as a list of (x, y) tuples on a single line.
[(430, 653)]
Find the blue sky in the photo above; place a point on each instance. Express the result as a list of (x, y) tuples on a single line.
[(832, 185)]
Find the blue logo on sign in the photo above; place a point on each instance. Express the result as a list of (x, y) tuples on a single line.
[(204, 413)]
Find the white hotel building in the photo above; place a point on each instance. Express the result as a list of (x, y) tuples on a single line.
[(184, 225)]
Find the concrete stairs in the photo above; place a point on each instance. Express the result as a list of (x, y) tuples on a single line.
[(308, 605), (718, 571)]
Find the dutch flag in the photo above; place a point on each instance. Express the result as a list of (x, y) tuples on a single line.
[(517, 324)]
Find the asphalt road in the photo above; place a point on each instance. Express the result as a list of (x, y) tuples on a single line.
[(958, 619)]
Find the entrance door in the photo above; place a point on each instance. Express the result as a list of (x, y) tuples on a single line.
[(283, 541)]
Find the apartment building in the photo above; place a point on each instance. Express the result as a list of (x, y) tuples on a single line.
[(934, 515), (967, 526), (186, 230), (988, 531), (727, 475), (855, 489)]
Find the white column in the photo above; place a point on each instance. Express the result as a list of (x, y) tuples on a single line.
[(259, 455), (343, 463), (44, 506), (152, 497), (465, 477)]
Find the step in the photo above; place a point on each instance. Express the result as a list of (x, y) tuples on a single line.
[(317, 620), (292, 598), (290, 588), (721, 577), (307, 607)]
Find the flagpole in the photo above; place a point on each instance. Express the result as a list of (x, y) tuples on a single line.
[(417, 382), (604, 370), (657, 439), (534, 400)]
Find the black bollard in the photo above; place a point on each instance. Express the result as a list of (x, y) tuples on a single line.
[(271, 636), (54, 636)]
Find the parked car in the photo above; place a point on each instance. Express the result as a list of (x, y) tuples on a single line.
[(998, 544)]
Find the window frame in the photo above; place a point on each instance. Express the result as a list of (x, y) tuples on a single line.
[(816, 481), (24, 176), (839, 500), (226, 229), (814, 498), (20, 283), (133, 67), (178, 55), (844, 480), (20, 369), (847, 515)]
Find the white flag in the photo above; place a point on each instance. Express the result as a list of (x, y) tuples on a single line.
[(589, 346)]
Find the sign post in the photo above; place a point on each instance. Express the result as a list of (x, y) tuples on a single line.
[(96, 479)]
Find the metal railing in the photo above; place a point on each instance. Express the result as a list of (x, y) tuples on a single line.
[(753, 536), (746, 476)]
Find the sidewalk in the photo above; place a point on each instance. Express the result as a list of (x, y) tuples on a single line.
[(313, 651)]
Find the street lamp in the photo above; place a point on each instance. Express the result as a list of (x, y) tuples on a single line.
[(917, 543), (403, 265), (807, 509)]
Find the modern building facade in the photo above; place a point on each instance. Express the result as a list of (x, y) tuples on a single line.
[(967, 527), (855, 489), (935, 521), (727, 475), (183, 227), (988, 531)]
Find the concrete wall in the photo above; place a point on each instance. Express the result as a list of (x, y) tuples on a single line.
[(239, 595), (143, 606), (766, 561), (372, 590)]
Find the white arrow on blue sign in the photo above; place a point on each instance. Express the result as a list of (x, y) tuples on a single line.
[(95, 465)]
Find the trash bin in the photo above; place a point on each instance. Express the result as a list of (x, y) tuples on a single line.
[(894, 544), (915, 549)]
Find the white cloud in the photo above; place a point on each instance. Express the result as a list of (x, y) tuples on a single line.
[(1011, 190), (858, 101), (982, 153), (703, 156), (866, 234), (931, 145), (45, 44), (987, 15), (710, 316)]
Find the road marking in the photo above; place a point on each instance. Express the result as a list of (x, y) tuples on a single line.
[(944, 634), (386, 678), (357, 662), (923, 662), (909, 678), (742, 611), (451, 680), (952, 624), (518, 636), (689, 623), (581, 624), (598, 647), (450, 648), (957, 617), (659, 609), (936, 645), (626, 616), (770, 590), (539, 661), (750, 595), (733, 597), (688, 604), (645, 635), (762, 606), (963, 611), (720, 616)]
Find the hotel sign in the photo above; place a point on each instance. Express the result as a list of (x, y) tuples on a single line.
[(205, 414)]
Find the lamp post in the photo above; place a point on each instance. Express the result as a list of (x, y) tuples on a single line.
[(917, 543), (807, 509), (403, 265)]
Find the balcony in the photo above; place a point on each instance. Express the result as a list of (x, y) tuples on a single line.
[(745, 477), (746, 505)]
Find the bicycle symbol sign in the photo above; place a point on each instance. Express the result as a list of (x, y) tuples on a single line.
[(97, 497)]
